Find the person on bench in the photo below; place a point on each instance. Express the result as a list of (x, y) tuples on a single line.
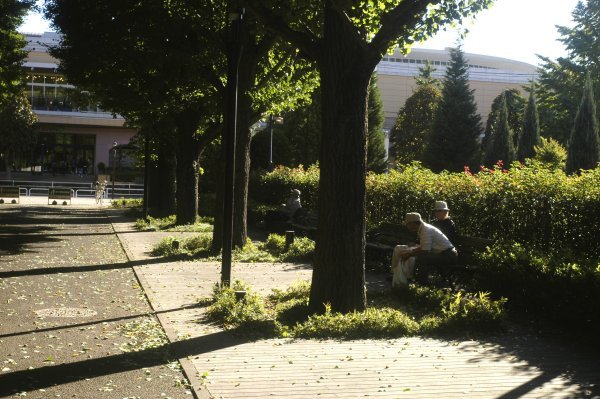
[(443, 221), (434, 249), (285, 214)]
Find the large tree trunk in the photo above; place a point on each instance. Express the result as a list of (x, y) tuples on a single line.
[(188, 153), (338, 275), (166, 176)]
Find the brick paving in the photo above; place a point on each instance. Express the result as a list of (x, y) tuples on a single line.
[(223, 366)]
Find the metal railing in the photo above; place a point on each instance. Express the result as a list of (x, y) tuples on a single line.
[(78, 190)]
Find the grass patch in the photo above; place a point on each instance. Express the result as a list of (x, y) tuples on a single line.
[(127, 203), (204, 224), (272, 250), (416, 311)]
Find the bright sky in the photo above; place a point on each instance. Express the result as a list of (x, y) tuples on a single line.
[(515, 29)]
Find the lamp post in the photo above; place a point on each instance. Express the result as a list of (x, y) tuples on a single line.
[(278, 120), (112, 178), (236, 19)]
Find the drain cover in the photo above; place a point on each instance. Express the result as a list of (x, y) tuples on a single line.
[(65, 312)]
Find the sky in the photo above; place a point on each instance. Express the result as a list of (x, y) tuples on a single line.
[(514, 29)]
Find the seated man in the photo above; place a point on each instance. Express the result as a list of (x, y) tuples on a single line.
[(443, 221), (434, 249), (276, 220)]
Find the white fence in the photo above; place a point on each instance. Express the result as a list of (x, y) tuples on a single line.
[(78, 190)]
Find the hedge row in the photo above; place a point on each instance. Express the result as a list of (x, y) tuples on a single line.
[(529, 204)]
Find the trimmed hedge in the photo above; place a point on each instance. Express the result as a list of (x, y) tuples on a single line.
[(529, 204)]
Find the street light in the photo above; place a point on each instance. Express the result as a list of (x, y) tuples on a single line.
[(112, 178), (236, 27), (278, 120)]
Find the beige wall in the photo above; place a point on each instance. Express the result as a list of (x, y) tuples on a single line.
[(395, 89)]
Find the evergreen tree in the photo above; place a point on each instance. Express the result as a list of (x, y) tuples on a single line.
[(584, 145), (413, 125), (453, 142), (515, 104), (530, 135), (501, 145), (559, 81), (426, 78), (12, 55), (376, 160)]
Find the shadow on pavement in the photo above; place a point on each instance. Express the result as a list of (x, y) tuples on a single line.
[(27, 380)]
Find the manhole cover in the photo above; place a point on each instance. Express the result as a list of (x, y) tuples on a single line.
[(65, 312)]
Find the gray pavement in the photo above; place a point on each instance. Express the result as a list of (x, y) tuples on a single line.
[(74, 321), (51, 265)]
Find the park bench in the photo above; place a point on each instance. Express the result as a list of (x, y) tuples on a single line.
[(10, 192), (59, 193), (380, 243), (304, 222), (459, 274)]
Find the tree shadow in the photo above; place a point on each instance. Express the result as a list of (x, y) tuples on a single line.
[(28, 380), (78, 269)]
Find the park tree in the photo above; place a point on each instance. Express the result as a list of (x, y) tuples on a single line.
[(12, 43), (560, 82), (515, 105), (376, 159), (413, 124), (530, 133), (500, 146), (453, 143), (347, 40), (16, 117), (16, 126), (584, 144), (414, 120), (167, 62)]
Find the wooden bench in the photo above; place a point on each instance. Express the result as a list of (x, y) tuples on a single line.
[(459, 274), (380, 243), (11, 192), (59, 193), (305, 222)]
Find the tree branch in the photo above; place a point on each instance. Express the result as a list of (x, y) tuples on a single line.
[(405, 15), (275, 23)]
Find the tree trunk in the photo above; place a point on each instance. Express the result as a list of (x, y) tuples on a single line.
[(166, 176), (339, 275), (187, 167), (217, 241)]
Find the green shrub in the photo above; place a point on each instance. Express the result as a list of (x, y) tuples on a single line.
[(203, 224), (539, 207), (543, 286), (301, 250), (423, 310), (127, 203), (191, 246)]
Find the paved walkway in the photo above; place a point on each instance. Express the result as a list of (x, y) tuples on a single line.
[(68, 292), (220, 365)]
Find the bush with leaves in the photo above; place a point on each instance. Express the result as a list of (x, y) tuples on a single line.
[(544, 286), (539, 207)]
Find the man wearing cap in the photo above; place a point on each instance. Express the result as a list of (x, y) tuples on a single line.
[(443, 221), (434, 249)]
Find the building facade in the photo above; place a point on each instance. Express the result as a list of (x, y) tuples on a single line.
[(488, 77), (74, 135)]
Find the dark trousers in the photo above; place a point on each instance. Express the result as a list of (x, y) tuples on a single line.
[(428, 261)]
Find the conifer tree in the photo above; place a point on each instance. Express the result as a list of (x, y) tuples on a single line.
[(530, 136), (584, 145), (376, 159), (453, 142), (501, 145), (515, 104)]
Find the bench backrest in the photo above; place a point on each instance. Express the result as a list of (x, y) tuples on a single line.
[(391, 234), (10, 191), (59, 193), (467, 246)]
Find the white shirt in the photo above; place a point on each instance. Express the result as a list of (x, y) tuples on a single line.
[(432, 239)]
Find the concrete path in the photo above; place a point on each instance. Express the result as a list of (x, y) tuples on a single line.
[(74, 321), (223, 366)]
